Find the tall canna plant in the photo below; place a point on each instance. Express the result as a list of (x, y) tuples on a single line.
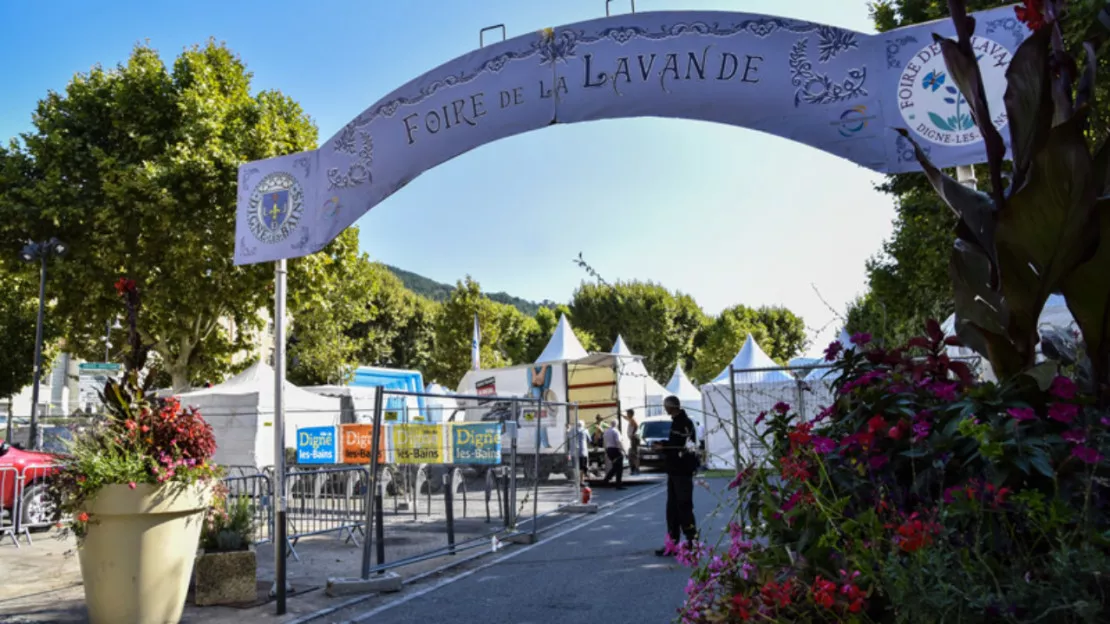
[(1038, 229)]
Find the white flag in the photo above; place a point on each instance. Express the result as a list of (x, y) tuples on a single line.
[(475, 349)]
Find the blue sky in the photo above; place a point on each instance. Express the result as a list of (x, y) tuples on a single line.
[(724, 214)]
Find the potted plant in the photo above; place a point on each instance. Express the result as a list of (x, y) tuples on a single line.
[(226, 568), (135, 488)]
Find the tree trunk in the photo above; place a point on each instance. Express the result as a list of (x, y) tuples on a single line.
[(180, 378)]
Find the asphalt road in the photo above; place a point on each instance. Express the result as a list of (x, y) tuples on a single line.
[(602, 569)]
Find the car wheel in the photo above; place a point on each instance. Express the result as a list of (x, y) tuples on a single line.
[(37, 511)]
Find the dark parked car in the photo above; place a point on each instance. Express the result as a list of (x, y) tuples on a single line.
[(655, 429)]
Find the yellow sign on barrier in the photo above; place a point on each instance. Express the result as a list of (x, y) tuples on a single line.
[(419, 444)]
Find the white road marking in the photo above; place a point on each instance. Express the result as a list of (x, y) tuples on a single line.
[(574, 527)]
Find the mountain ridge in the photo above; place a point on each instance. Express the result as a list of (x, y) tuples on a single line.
[(438, 291)]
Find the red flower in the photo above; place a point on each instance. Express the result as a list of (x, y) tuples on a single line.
[(824, 593), (915, 534), (800, 437), (82, 517), (1031, 14), (743, 606), (876, 424), (125, 286)]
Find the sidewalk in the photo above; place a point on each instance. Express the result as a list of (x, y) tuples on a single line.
[(41, 584)]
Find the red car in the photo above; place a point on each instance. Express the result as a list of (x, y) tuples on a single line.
[(35, 510)]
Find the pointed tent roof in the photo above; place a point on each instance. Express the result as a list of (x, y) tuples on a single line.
[(620, 348), (563, 345), (845, 339), (681, 386), (749, 357)]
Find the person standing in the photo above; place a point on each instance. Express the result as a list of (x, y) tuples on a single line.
[(633, 442), (614, 449), (582, 448), (681, 461)]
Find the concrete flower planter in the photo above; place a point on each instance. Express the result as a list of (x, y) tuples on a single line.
[(137, 557), (225, 578)]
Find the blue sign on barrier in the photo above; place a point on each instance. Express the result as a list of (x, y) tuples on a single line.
[(476, 443), (318, 445)]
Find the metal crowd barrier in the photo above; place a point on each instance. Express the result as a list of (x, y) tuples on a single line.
[(26, 503)]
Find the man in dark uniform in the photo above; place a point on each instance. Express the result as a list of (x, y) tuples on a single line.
[(681, 461)]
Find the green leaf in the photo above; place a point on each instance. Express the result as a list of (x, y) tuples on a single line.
[(1040, 462), (940, 122), (1028, 102), (1087, 292), (1043, 374)]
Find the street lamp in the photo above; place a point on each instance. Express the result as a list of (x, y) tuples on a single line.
[(40, 252)]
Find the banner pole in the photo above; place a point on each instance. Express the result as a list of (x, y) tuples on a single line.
[(371, 499), (735, 416), (279, 435)]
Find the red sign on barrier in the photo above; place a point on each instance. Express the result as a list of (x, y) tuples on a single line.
[(357, 444)]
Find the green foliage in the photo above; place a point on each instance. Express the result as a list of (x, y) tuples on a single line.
[(918, 496), (328, 298), (439, 292), (229, 523), (399, 330), (908, 282), (778, 331), (136, 169), (1018, 244), (657, 324), (18, 315)]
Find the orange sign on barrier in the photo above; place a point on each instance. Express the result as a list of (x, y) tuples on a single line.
[(358, 443)]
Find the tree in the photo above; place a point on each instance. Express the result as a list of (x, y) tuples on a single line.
[(500, 333), (327, 300), (137, 169), (657, 324), (779, 332), (399, 329), (18, 315)]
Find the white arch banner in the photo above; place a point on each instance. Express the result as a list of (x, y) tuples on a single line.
[(837, 90)]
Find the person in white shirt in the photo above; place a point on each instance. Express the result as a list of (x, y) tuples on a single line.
[(582, 448), (614, 449)]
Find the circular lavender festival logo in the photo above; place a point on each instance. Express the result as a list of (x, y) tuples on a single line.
[(931, 103)]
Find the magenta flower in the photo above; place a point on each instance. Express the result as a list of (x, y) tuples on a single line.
[(861, 338), (921, 430), (781, 407), (1105, 420), (1063, 412), (878, 461), (1075, 436), (944, 391), (1062, 388), (833, 350), (739, 479), (823, 445), (1086, 454), (1022, 413)]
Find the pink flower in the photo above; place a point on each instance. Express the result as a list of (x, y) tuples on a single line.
[(132, 485), (669, 546), (861, 338), (878, 461), (921, 430), (1022, 413), (1075, 436), (1063, 412), (1062, 388), (781, 407), (1105, 420), (1086, 454), (944, 391), (823, 445), (739, 479), (833, 350)]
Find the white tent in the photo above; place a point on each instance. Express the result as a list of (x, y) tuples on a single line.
[(1054, 315), (441, 406), (563, 345), (241, 412), (752, 357), (356, 402), (687, 393), (636, 388), (756, 391), (823, 373)]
